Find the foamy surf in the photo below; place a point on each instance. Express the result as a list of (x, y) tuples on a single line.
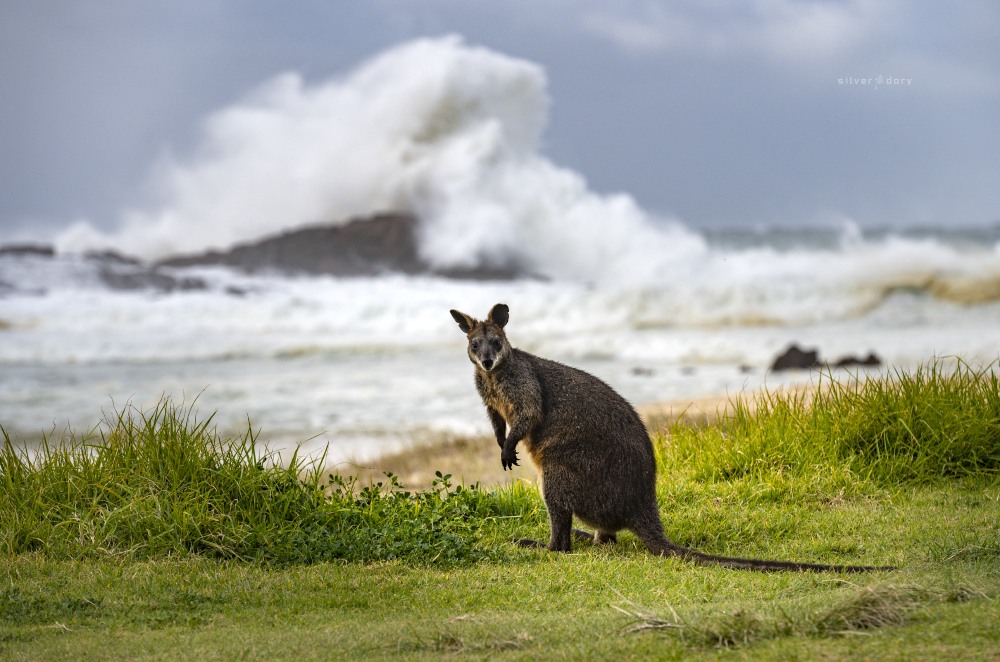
[(371, 363)]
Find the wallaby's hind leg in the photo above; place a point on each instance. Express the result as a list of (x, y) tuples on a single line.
[(560, 525), (557, 494), (559, 537), (599, 538)]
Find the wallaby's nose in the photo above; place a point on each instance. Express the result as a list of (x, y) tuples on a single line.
[(487, 363)]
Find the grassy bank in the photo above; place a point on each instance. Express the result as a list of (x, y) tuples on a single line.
[(161, 483), (183, 545)]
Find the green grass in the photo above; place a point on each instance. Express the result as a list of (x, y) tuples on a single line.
[(161, 483), (941, 420), (157, 539)]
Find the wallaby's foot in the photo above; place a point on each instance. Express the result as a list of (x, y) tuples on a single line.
[(605, 538), (528, 542), (599, 538)]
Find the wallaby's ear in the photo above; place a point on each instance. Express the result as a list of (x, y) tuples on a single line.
[(499, 315), (465, 323)]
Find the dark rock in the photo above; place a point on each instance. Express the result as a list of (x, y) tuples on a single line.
[(37, 250), (870, 361), (359, 248), (795, 358), (481, 273), (142, 278), (639, 371), (113, 257), (384, 243), (117, 271)]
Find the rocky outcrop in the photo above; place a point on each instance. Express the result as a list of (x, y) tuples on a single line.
[(140, 278), (116, 271), (795, 358), (34, 250), (380, 244), (358, 248), (870, 361), (120, 272), (385, 243)]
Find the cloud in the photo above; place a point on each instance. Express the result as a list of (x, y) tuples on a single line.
[(631, 35), (782, 29)]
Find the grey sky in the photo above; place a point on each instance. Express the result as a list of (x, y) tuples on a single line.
[(722, 113)]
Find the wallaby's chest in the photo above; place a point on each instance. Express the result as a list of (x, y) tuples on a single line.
[(495, 396)]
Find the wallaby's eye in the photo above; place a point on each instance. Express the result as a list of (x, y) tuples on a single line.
[(497, 345), (475, 346)]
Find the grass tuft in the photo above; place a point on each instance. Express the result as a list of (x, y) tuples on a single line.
[(873, 607), (161, 483), (449, 642), (941, 420), (866, 609)]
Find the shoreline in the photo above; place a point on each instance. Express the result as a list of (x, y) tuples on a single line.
[(477, 459)]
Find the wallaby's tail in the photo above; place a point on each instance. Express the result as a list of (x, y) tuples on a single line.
[(662, 546), (776, 566)]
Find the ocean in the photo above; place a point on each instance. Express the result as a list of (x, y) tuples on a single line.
[(451, 134)]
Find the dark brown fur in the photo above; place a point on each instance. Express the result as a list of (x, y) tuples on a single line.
[(590, 446)]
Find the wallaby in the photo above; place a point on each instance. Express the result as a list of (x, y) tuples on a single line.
[(590, 446)]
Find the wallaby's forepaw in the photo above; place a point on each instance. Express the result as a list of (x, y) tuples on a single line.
[(527, 542), (509, 460)]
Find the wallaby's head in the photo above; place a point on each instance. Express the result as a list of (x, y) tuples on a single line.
[(488, 346)]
